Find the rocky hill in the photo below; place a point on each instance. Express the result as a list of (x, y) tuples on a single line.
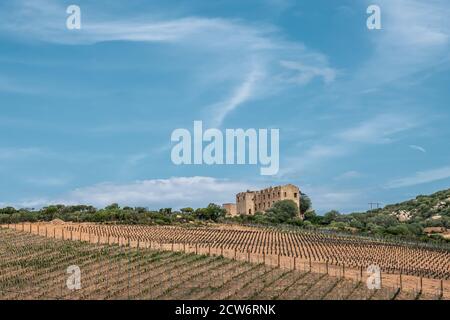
[(431, 209), (430, 212)]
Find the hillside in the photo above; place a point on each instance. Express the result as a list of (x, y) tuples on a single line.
[(432, 209), (424, 215)]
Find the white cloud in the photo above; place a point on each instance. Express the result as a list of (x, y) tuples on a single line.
[(352, 174), (34, 153), (325, 199), (135, 159), (379, 129), (254, 49), (418, 148), (311, 157), (47, 181), (243, 93), (173, 192), (303, 74), (420, 178), (20, 153), (414, 36)]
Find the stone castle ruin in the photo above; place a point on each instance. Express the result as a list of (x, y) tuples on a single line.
[(250, 202)]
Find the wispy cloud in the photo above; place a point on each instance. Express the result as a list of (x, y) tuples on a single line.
[(43, 152), (243, 93), (47, 181), (352, 174), (415, 36), (255, 49), (302, 74), (379, 129), (326, 198), (311, 157), (420, 178), (20, 153), (418, 148)]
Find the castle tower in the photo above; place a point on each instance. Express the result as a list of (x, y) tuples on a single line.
[(250, 202)]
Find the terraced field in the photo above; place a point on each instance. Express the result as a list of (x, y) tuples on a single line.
[(35, 267), (338, 250)]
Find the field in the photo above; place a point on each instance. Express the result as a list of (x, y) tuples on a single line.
[(222, 262), (34, 267)]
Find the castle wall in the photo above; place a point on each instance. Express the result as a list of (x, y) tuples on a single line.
[(231, 209), (245, 202), (251, 202)]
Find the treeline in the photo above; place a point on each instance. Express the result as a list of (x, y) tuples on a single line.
[(112, 213), (379, 222), (425, 211), (372, 224)]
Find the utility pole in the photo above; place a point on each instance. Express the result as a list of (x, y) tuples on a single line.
[(372, 204)]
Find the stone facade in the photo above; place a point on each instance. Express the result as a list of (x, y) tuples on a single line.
[(231, 209), (250, 202)]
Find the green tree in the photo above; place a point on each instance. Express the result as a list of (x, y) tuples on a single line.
[(330, 216), (355, 223), (48, 213), (282, 211), (113, 206), (8, 210), (399, 229), (312, 217), (339, 225), (305, 203), (307, 224), (187, 210), (211, 212), (166, 211)]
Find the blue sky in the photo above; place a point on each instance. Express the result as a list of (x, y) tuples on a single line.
[(86, 115)]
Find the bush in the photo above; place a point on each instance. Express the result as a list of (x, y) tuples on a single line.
[(211, 212), (296, 221), (339, 225), (308, 225), (330, 216), (282, 211), (400, 229)]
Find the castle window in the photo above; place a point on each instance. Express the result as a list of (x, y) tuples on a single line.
[(249, 211), (295, 195), (285, 194)]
